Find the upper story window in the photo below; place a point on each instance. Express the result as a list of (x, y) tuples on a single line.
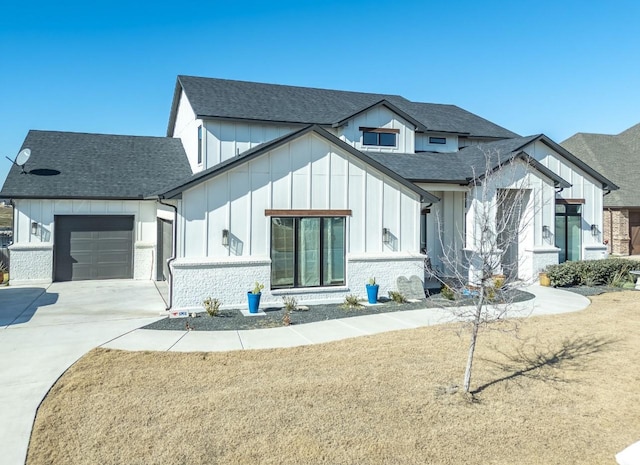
[(437, 140), (380, 137), (199, 145)]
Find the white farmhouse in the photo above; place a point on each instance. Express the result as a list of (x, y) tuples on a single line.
[(308, 191)]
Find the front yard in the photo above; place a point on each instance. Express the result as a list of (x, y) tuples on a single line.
[(565, 391)]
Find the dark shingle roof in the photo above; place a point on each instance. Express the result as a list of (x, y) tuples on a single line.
[(617, 157), (80, 165), (223, 98), (456, 167)]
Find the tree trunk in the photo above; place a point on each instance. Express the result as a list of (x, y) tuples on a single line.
[(472, 343)]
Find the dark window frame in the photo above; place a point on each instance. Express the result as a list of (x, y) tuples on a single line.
[(321, 252), (378, 135)]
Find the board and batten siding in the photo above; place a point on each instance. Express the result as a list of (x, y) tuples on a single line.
[(423, 145), (445, 222), (33, 253), (186, 129), (379, 117), (307, 173), (583, 186), (226, 139)]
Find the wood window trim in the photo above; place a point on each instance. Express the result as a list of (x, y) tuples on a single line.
[(570, 201), (307, 213), (383, 130)]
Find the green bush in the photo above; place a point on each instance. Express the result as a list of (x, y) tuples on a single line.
[(606, 272)]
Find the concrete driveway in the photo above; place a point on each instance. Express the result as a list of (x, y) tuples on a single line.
[(44, 330)]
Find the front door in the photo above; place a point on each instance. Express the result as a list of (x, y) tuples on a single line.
[(634, 232), (569, 231)]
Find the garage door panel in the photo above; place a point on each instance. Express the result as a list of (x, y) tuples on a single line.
[(93, 247)]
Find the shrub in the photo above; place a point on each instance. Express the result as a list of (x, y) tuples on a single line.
[(397, 297), (608, 271), (212, 306), (290, 303), (351, 301), (448, 293)]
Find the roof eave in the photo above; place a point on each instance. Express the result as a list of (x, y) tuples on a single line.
[(384, 102), (238, 160), (177, 92), (606, 183)]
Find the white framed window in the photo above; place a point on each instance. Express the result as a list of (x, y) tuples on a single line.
[(437, 140)]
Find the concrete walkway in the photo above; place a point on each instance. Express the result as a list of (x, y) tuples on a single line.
[(548, 301), (44, 330)]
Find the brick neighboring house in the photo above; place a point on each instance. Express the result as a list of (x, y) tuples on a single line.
[(618, 158)]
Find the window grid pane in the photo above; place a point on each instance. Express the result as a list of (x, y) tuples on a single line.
[(387, 139)]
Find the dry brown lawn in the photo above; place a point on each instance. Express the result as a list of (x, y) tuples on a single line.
[(565, 391)]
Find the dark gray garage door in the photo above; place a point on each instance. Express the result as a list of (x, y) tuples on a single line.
[(93, 247)]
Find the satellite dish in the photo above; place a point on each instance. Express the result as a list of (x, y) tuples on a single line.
[(23, 157)]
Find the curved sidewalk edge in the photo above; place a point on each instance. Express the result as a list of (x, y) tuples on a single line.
[(548, 301)]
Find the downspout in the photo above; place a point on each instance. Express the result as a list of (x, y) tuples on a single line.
[(610, 244), (173, 249)]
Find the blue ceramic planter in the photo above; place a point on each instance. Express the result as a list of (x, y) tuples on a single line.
[(372, 293), (254, 301)]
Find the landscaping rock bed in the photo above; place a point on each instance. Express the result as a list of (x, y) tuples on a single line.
[(594, 290), (231, 320)]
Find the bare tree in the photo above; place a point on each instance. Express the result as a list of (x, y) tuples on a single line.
[(501, 203)]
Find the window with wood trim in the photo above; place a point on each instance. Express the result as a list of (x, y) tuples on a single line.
[(379, 137), (307, 251)]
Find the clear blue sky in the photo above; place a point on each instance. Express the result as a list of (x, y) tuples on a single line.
[(556, 67)]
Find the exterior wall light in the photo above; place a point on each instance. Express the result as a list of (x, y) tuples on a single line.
[(594, 230), (225, 237), (386, 235), (34, 228), (546, 232)]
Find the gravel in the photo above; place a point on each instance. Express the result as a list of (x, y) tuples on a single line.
[(594, 290), (230, 320)]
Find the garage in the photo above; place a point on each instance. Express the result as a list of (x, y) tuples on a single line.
[(93, 247)]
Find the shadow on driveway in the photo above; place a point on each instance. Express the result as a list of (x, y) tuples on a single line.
[(19, 304)]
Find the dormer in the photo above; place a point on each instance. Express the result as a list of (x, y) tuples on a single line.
[(436, 142), (381, 127)]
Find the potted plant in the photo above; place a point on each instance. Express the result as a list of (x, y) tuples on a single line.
[(544, 279), (254, 297), (4, 273), (372, 291)]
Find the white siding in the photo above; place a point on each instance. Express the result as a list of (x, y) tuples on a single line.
[(423, 145), (186, 128), (43, 212), (583, 186), (379, 117), (308, 173), (226, 139)]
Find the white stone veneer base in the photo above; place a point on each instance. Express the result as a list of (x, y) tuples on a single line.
[(543, 257), (229, 280), (144, 260), (595, 252), (31, 263)]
